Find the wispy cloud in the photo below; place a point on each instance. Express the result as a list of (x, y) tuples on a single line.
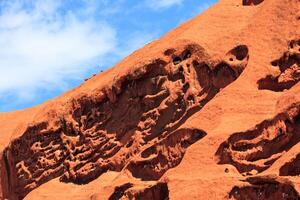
[(45, 45), (50, 46), (159, 4), (29, 56)]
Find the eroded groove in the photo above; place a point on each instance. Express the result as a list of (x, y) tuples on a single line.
[(120, 191), (256, 150), (7, 166), (289, 66), (265, 188), (103, 132), (291, 168), (166, 154), (157, 191)]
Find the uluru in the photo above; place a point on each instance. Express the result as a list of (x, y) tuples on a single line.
[(210, 111)]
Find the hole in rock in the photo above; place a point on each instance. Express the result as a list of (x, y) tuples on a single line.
[(240, 52), (187, 54), (176, 60), (251, 2), (274, 63)]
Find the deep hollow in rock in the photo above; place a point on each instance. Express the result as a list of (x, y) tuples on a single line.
[(251, 2), (289, 66), (264, 188), (165, 154), (157, 191), (256, 150), (120, 191), (241, 52), (291, 168)]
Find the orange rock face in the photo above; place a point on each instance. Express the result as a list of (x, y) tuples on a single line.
[(209, 111)]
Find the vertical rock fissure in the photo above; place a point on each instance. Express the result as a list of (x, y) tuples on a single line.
[(6, 186)]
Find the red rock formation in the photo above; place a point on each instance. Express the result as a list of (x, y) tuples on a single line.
[(209, 111)]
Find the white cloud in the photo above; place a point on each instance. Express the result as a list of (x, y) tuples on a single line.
[(43, 46), (158, 4), (48, 46)]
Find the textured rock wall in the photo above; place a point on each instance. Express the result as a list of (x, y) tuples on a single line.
[(139, 114)]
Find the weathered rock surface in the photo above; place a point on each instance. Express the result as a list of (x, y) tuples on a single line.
[(209, 111)]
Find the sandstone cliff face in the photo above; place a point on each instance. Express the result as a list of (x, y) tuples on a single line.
[(209, 111)]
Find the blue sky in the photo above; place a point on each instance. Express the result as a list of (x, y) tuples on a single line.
[(50, 46)]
